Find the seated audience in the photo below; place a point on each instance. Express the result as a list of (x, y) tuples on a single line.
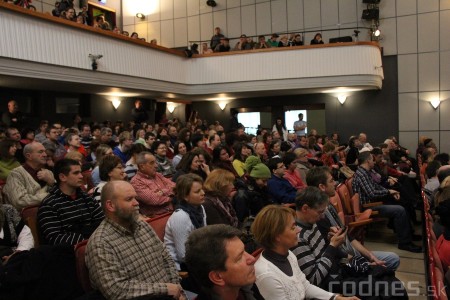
[(180, 149), (29, 184), (219, 190), (278, 275), (369, 191), (101, 151), (68, 215), (163, 164), (131, 166), (321, 178), (443, 242), (53, 136), (125, 143), (216, 258), (119, 253), (243, 44), (8, 161), (252, 195), (291, 174), (110, 168), (241, 153), (189, 215), (221, 160), (303, 164), (297, 41), (15, 236), (224, 45), (317, 39), (325, 264), (353, 152), (279, 188), (273, 40), (154, 191), (261, 44)]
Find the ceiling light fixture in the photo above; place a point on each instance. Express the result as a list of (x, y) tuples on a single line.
[(222, 105)]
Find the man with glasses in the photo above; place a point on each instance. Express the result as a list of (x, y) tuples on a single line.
[(29, 184), (281, 191), (154, 191)]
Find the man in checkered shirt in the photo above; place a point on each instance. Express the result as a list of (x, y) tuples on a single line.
[(124, 256)]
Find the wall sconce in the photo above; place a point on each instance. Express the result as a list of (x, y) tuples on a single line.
[(116, 103), (171, 106), (342, 98), (222, 105), (435, 103), (140, 16)]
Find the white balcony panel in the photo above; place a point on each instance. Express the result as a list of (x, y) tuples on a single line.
[(46, 44)]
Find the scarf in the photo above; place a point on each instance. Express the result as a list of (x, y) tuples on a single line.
[(195, 214), (223, 204)]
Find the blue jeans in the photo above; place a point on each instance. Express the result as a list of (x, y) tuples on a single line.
[(400, 219), (392, 260)]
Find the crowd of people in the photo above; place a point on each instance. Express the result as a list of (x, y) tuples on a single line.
[(101, 182)]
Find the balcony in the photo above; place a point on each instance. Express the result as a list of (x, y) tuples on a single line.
[(52, 53)]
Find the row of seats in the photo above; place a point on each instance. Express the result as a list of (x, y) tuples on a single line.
[(433, 262)]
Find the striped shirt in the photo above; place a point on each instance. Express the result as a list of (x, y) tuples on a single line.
[(64, 220), (126, 264), (315, 258)]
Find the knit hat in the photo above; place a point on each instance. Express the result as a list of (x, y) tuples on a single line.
[(256, 168)]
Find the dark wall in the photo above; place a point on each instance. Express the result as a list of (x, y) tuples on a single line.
[(372, 112)]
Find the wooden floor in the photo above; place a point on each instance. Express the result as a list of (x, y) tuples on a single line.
[(412, 266)]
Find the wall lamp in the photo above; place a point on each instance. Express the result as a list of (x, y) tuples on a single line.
[(171, 106), (435, 103), (116, 103), (342, 98), (222, 105), (140, 16)]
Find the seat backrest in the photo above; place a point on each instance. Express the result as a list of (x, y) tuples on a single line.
[(337, 203), (29, 217), (158, 224), (82, 270), (349, 183), (29, 211), (346, 199)]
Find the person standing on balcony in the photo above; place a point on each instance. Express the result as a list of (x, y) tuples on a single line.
[(215, 40)]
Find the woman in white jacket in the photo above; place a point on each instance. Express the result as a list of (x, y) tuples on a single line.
[(278, 275)]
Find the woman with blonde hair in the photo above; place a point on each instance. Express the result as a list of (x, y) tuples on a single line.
[(303, 164), (219, 190), (278, 275)]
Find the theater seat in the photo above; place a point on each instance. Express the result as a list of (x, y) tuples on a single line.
[(158, 224), (82, 270), (29, 217)]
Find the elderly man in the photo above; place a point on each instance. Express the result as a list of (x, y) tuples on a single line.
[(29, 184), (125, 258), (138, 112), (68, 215), (154, 191), (216, 258), (363, 140)]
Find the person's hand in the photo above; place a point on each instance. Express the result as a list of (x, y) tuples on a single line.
[(333, 230), (395, 194), (46, 175), (340, 297), (376, 262), (205, 168), (7, 257), (174, 290), (338, 238)]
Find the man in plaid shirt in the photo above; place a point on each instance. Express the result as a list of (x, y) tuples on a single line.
[(124, 256)]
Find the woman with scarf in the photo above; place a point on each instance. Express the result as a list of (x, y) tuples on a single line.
[(188, 216), (220, 190), (165, 167), (15, 236)]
